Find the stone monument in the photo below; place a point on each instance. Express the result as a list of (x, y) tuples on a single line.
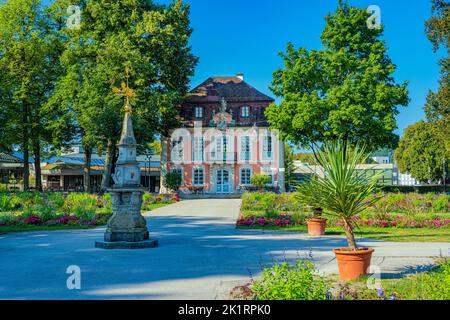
[(127, 228)]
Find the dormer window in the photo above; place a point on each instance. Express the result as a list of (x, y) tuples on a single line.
[(245, 111), (198, 112)]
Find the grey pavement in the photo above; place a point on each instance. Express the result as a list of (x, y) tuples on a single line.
[(201, 256)]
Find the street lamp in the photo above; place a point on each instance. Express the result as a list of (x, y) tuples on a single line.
[(149, 153)]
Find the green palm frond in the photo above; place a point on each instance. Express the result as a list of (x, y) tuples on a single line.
[(343, 190)]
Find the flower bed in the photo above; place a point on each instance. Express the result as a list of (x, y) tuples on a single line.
[(300, 281), (264, 209), (281, 220), (53, 209), (151, 201)]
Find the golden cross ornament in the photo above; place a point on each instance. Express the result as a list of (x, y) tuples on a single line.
[(125, 91)]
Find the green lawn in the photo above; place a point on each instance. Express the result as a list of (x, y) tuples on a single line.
[(6, 229), (386, 234), (428, 285), (153, 206), (20, 228)]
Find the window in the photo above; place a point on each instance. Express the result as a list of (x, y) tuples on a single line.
[(245, 111), (245, 148), (267, 148), (197, 149), (177, 149), (198, 177), (198, 112), (219, 148), (177, 170), (246, 174), (268, 171)]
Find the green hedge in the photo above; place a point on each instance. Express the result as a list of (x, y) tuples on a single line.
[(414, 189)]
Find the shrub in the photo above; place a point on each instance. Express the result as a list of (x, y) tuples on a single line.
[(441, 203), (82, 205), (173, 180), (290, 282), (260, 180), (6, 203)]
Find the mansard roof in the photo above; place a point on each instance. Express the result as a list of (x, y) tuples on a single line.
[(233, 89)]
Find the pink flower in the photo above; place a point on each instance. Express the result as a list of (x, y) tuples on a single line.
[(33, 220)]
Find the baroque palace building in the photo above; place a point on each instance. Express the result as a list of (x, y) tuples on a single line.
[(224, 139)]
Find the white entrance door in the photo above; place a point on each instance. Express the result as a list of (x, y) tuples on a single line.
[(222, 181)]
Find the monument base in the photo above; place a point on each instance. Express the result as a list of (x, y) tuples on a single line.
[(127, 245)]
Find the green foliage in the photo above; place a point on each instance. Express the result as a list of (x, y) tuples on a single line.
[(421, 152), (441, 204), (6, 203), (290, 282), (344, 91), (259, 201), (151, 40), (260, 180), (431, 285), (172, 181), (82, 205), (344, 191), (437, 30)]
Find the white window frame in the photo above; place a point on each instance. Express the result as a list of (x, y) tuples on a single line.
[(249, 178), (198, 147), (267, 148), (269, 172), (245, 111), (220, 147), (198, 112), (194, 183), (177, 149), (245, 149)]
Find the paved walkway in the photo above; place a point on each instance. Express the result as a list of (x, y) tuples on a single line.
[(201, 255)]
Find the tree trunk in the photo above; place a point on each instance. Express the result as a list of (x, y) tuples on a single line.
[(107, 170), (87, 169), (25, 146), (37, 164), (349, 234), (164, 161)]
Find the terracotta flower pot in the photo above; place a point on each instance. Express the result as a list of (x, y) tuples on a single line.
[(353, 264), (316, 226)]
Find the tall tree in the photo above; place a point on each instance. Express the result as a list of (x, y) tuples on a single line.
[(152, 41), (29, 63), (438, 32), (344, 91), (422, 153), (424, 150)]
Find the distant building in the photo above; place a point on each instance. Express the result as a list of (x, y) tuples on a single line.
[(65, 173), (405, 179), (382, 159), (389, 173), (11, 171)]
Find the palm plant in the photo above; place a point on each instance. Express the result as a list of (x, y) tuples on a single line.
[(343, 191)]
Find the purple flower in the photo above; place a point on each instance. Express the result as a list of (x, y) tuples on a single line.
[(380, 293)]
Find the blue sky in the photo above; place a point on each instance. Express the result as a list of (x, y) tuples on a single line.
[(246, 36)]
